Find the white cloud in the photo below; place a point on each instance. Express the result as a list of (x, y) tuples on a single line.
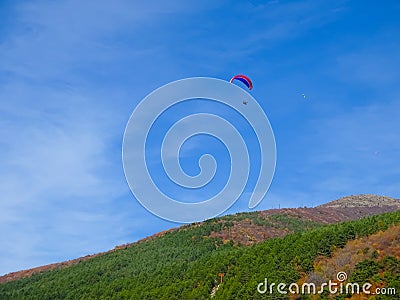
[(61, 130), (58, 177)]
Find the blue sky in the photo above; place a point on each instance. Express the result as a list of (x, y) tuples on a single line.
[(71, 73)]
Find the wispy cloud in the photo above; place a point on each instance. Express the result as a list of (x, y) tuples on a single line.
[(56, 173), (61, 177)]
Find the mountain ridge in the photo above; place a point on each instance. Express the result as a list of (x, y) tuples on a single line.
[(253, 227), (363, 200)]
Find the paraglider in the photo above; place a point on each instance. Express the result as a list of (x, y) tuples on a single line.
[(243, 78)]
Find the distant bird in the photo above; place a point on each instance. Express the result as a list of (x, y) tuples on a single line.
[(304, 96), (244, 102)]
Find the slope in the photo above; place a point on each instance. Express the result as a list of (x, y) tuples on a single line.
[(186, 263), (251, 228)]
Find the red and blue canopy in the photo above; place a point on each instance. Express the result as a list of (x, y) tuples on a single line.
[(243, 78)]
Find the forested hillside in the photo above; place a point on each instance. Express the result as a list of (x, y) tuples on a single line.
[(253, 227), (189, 263)]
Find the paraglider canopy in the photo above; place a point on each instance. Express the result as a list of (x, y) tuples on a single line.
[(243, 78)]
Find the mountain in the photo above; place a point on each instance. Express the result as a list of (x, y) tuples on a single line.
[(186, 263), (366, 200)]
